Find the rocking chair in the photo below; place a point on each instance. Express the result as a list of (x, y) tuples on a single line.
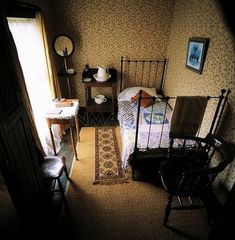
[(192, 165)]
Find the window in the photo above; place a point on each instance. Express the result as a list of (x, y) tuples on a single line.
[(31, 52)]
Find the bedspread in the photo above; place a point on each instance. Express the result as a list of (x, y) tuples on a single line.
[(152, 135)]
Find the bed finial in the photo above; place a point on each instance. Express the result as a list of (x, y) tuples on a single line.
[(223, 91)]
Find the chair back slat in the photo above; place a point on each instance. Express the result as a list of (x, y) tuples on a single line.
[(196, 157)]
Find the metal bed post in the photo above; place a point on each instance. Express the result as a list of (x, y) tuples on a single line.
[(149, 73), (142, 76), (137, 130), (156, 72), (163, 76), (167, 100), (222, 110), (151, 117), (128, 73), (137, 120), (135, 70), (221, 97)]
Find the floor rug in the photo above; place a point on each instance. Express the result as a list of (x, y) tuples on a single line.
[(97, 119), (108, 167)]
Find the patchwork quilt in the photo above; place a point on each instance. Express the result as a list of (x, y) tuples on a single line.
[(153, 123)]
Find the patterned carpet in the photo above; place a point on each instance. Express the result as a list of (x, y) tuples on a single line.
[(97, 119), (108, 168)]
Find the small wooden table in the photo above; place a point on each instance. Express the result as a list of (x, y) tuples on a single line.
[(109, 105), (65, 116)]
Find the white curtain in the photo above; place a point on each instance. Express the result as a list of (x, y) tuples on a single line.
[(31, 52)]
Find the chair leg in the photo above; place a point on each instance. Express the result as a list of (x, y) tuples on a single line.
[(168, 209), (133, 174), (54, 182), (66, 172), (61, 188)]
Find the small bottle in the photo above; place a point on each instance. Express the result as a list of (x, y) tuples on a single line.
[(86, 71)]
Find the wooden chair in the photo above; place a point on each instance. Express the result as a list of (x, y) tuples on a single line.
[(52, 169), (192, 165)]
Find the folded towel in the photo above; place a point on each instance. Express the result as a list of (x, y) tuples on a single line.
[(187, 115)]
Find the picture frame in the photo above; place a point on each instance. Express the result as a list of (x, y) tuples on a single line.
[(196, 53)]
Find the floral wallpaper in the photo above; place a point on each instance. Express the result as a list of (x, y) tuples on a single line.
[(204, 19), (105, 30)]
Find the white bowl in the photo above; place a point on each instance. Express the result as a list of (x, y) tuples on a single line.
[(98, 79)]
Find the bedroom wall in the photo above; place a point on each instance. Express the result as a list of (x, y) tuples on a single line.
[(103, 31), (204, 19)]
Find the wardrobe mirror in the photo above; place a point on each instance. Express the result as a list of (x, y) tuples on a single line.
[(63, 45)]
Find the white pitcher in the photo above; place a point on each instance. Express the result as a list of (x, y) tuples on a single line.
[(102, 73)]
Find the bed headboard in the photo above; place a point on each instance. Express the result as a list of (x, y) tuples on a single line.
[(147, 73)]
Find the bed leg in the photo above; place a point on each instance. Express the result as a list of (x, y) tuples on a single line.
[(133, 174)]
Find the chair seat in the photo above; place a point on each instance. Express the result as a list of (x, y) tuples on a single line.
[(171, 172), (52, 167)]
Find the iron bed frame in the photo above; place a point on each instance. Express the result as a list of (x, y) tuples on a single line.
[(151, 73), (139, 155)]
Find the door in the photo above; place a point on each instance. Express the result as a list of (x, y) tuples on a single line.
[(18, 162)]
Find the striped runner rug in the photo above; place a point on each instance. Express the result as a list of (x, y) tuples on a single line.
[(108, 166)]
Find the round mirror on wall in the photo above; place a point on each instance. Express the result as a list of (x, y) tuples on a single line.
[(63, 45)]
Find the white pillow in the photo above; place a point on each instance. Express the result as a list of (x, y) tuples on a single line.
[(128, 93)]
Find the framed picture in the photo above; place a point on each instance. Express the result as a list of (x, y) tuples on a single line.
[(196, 54)]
